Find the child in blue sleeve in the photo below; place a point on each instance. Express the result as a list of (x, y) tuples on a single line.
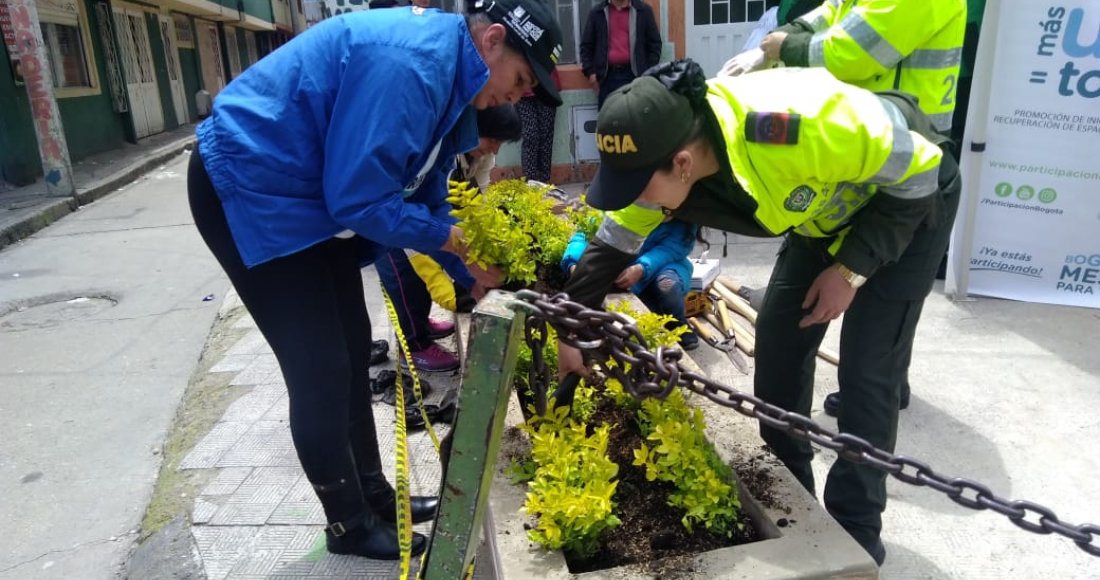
[(660, 276)]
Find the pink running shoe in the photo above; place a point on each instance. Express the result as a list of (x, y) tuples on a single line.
[(433, 360), (438, 329)]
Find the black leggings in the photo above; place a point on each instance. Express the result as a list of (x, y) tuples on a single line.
[(310, 308)]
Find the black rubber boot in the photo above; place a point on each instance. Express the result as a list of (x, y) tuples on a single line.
[(356, 530), (377, 491), (383, 499)]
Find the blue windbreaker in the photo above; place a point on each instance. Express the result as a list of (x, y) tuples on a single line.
[(330, 132)]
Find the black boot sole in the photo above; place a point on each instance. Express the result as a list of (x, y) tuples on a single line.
[(336, 546)]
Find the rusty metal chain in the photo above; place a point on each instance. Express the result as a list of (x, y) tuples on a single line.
[(607, 336)]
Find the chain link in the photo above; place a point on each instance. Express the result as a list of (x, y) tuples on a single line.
[(609, 336)]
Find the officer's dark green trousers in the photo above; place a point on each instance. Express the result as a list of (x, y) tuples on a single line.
[(875, 342)]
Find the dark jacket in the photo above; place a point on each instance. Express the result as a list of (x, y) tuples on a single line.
[(645, 39)]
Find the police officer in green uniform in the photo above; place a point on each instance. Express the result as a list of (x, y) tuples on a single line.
[(855, 181), (914, 46)]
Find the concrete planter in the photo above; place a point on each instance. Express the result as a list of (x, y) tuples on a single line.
[(809, 545)]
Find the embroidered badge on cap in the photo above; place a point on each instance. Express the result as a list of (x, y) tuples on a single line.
[(773, 128), (799, 199)]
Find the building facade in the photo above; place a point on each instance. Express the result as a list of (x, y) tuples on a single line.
[(123, 71)]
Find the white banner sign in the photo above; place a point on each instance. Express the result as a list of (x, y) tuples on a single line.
[(1036, 224)]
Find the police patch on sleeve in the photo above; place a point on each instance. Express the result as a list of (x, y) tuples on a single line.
[(799, 199), (773, 128)]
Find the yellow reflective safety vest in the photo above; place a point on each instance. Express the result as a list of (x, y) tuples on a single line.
[(914, 46), (810, 150)]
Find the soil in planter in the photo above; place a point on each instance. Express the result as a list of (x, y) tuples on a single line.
[(550, 280), (651, 533)]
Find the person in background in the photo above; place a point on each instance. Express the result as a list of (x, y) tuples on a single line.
[(620, 41), (865, 198), (661, 274), (309, 167), (537, 149), (495, 127)]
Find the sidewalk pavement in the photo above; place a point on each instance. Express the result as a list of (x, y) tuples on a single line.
[(25, 210), (1005, 393)]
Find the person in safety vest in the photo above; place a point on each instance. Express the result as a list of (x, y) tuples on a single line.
[(332, 148), (913, 46), (853, 179)]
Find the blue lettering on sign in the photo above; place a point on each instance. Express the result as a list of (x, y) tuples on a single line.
[(1076, 43)]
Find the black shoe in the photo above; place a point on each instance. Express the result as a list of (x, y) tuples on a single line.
[(354, 528), (379, 351), (689, 341), (383, 500), (832, 404), (389, 395), (877, 552)]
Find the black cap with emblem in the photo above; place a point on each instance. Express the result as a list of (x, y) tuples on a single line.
[(532, 26), (639, 127)]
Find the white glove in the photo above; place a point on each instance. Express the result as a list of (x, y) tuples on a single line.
[(746, 62)]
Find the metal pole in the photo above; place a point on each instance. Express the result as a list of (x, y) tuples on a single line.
[(495, 338), (34, 65)]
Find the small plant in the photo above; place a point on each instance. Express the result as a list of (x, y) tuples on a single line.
[(573, 483), (515, 226), (681, 455)]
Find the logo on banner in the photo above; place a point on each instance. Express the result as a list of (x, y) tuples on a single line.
[(1062, 36), (1080, 274), (1024, 197)]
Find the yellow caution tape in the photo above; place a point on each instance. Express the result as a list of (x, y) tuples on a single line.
[(401, 451)]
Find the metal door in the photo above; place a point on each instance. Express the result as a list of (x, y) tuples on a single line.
[(717, 29), (141, 78), (210, 56), (175, 76), (233, 51)]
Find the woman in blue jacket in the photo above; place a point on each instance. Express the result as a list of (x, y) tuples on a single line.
[(329, 149), (661, 274)]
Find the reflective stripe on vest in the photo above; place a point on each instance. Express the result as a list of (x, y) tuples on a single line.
[(873, 58), (626, 229)]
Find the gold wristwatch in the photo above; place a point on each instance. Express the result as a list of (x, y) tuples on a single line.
[(854, 280)]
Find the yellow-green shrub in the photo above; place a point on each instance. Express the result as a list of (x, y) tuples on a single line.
[(572, 487), (515, 226)]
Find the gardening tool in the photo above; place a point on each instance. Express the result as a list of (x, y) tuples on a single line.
[(731, 328), (730, 293), (728, 346), (735, 302)]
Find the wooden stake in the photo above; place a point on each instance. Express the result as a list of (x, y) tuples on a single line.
[(735, 302)]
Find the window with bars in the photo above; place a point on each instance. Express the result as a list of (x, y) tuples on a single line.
[(185, 36), (730, 11), (65, 51)]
